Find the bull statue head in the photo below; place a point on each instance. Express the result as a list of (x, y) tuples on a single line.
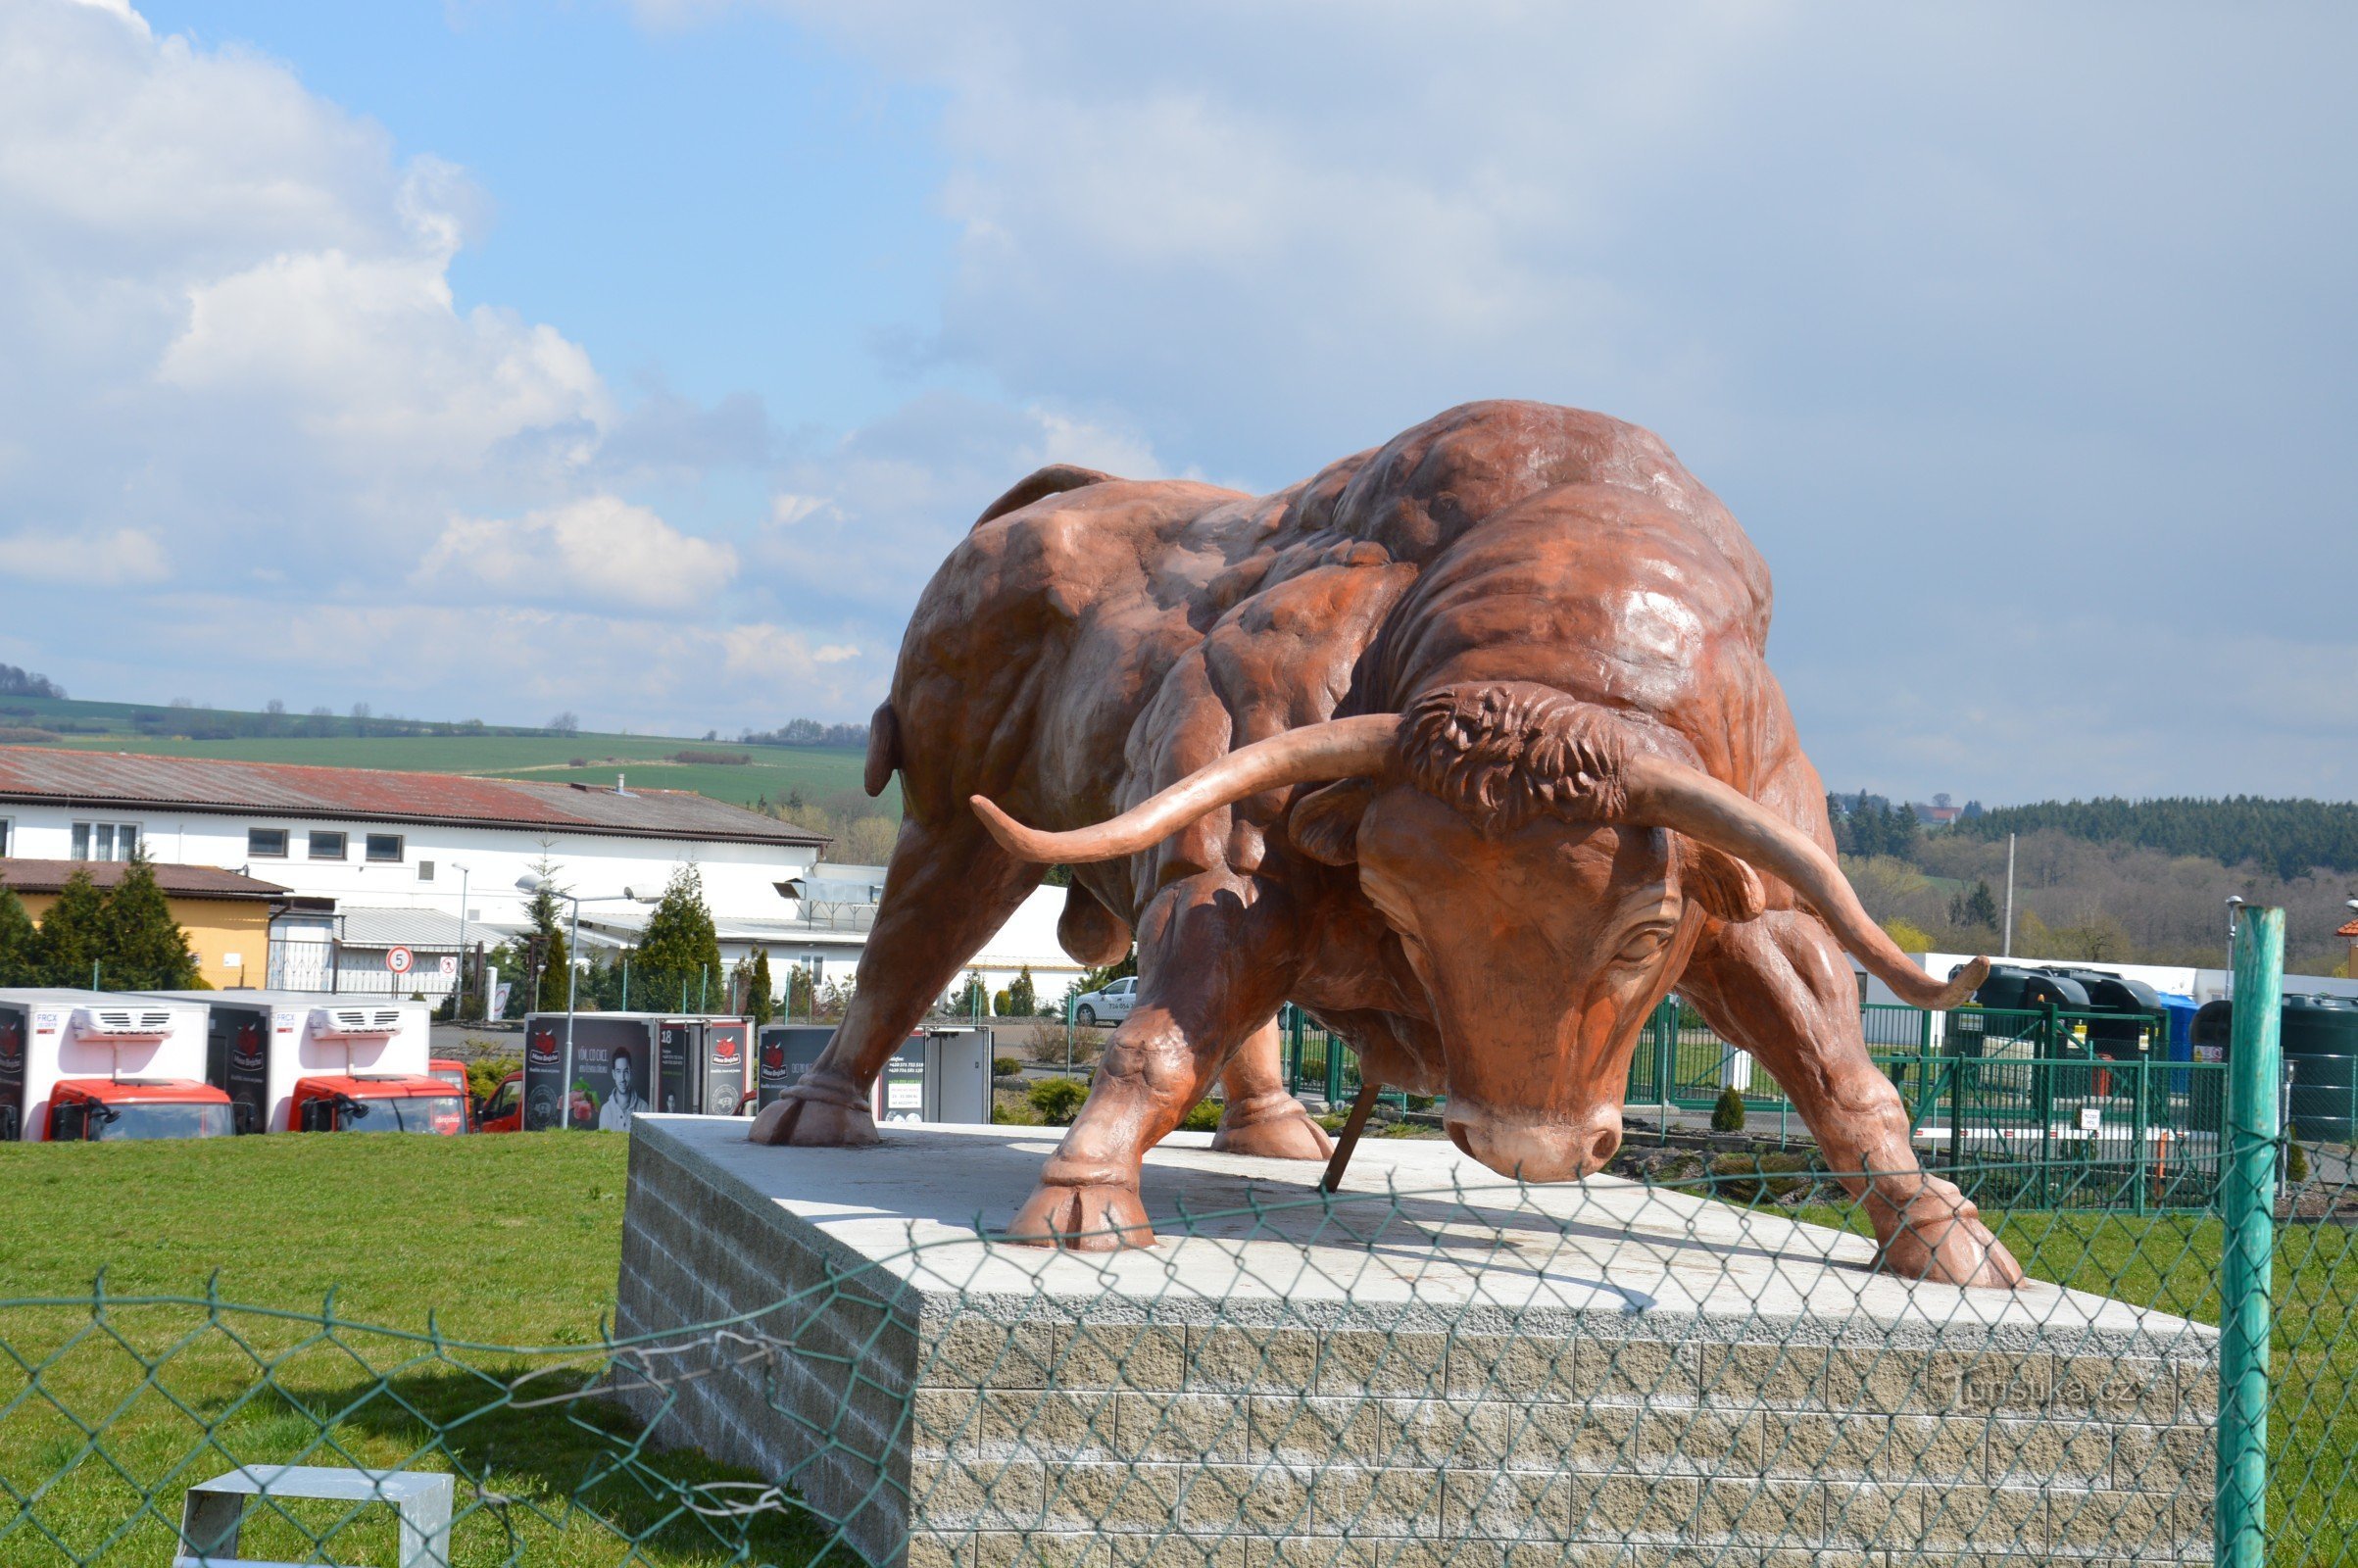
[(1547, 865)]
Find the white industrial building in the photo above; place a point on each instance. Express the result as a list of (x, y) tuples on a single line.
[(429, 862)]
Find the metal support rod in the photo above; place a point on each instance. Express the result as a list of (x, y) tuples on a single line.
[(2249, 1207), (1348, 1140), (565, 1094)]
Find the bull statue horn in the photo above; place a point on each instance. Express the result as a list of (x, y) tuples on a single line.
[(1686, 800), (1315, 753)]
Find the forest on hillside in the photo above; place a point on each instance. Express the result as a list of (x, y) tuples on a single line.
[(2291, 838), (2137, 895)]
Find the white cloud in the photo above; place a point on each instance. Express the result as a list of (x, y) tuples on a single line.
[(599, 547), (125, 557)]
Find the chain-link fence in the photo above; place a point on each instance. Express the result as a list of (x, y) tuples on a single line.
[(1606, 1372), (1710, 1366)]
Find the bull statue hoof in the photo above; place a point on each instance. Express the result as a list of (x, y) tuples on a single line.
[(1941, 1237), (823, 1114), (1271, 1127), (1100, 1218)]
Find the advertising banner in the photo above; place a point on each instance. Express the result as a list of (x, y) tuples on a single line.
[(676, 1080), (614, 1068), (11, 1075), (787, 1052), (237, 1062), (724, 1069)]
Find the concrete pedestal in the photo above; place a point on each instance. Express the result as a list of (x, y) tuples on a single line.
[(1465, 1372)]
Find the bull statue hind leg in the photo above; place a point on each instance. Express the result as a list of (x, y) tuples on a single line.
[(1259, 1116), (948, 887)]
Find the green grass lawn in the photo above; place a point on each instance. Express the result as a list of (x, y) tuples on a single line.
[(515, 1242), (494, 1241)]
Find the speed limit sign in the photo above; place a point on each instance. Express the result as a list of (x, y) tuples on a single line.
[(398, 960)]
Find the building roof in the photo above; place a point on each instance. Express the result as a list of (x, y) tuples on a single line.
[(50, 773), (177, 881), (369, 929)]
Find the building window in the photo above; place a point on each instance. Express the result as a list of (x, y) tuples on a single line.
[(105, 840), (384, 846), (326, 846), (265, 843), (426, 871), (5, 825)]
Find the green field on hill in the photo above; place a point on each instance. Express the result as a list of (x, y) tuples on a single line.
[(774, 773)]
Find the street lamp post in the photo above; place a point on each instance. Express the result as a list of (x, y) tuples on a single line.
[(531, 883), (2235, 908), (459, 1007)]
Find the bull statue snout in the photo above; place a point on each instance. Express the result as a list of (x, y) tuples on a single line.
[(1536, 1148)]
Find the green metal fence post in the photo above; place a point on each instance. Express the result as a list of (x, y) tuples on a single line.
[(2248, 1200), (1334, 1070), (2143, 1125), (625, 985)]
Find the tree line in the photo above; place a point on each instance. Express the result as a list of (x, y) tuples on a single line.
[(15, 682), (809, 732), (121, 938), (2288, 837)]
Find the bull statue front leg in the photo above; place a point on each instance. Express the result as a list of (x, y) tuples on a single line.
[(1781, 986), (1214, 959)]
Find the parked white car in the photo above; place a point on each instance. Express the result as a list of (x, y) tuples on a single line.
[(1109, 1005)]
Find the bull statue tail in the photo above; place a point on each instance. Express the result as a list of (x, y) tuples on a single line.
[(884, 749)]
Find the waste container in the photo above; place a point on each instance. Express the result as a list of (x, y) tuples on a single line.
[(2319, 1036)]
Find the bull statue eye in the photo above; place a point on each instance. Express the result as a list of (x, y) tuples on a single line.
[(1644, 944)]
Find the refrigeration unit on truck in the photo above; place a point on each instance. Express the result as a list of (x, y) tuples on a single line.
[(626, 1063), (260, 1045), (96, 1066), (937, 1074)]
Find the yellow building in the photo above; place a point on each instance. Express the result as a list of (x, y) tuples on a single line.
[(227, 915)]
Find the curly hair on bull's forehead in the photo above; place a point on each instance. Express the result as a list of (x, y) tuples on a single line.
[(1505, 753)]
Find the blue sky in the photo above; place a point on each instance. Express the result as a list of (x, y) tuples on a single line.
[(492, 357)]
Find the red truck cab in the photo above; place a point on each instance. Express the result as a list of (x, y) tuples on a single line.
[(398, 1102), (504, 1111), (454, 1073), (114, 1109)]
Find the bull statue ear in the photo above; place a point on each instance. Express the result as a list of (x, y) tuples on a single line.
[(1325, 823), (1722, 884)]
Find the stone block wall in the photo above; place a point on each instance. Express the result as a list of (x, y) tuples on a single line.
[(944, 1427)]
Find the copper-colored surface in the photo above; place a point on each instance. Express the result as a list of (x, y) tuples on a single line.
[(1467, 745)]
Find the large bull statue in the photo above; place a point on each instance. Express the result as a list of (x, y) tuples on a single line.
[(1467, 746)]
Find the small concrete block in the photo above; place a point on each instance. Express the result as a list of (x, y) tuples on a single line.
[(1501, 1367), (1850, 1444), (1783, 1376), (1760, 1512), (1993, 1382), (1249, 1360), (2165, 1459), (1363, 1501), (2117, 1389), (2171, 1527), (1182, 1426), (1361, 1362), (1121, 1355), (972, 1354), (1618, 1368), (1893, 1382), (1904, 1518), (1511, 1505), (2049, 1453), (957, 1493), (1117, 1497)]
